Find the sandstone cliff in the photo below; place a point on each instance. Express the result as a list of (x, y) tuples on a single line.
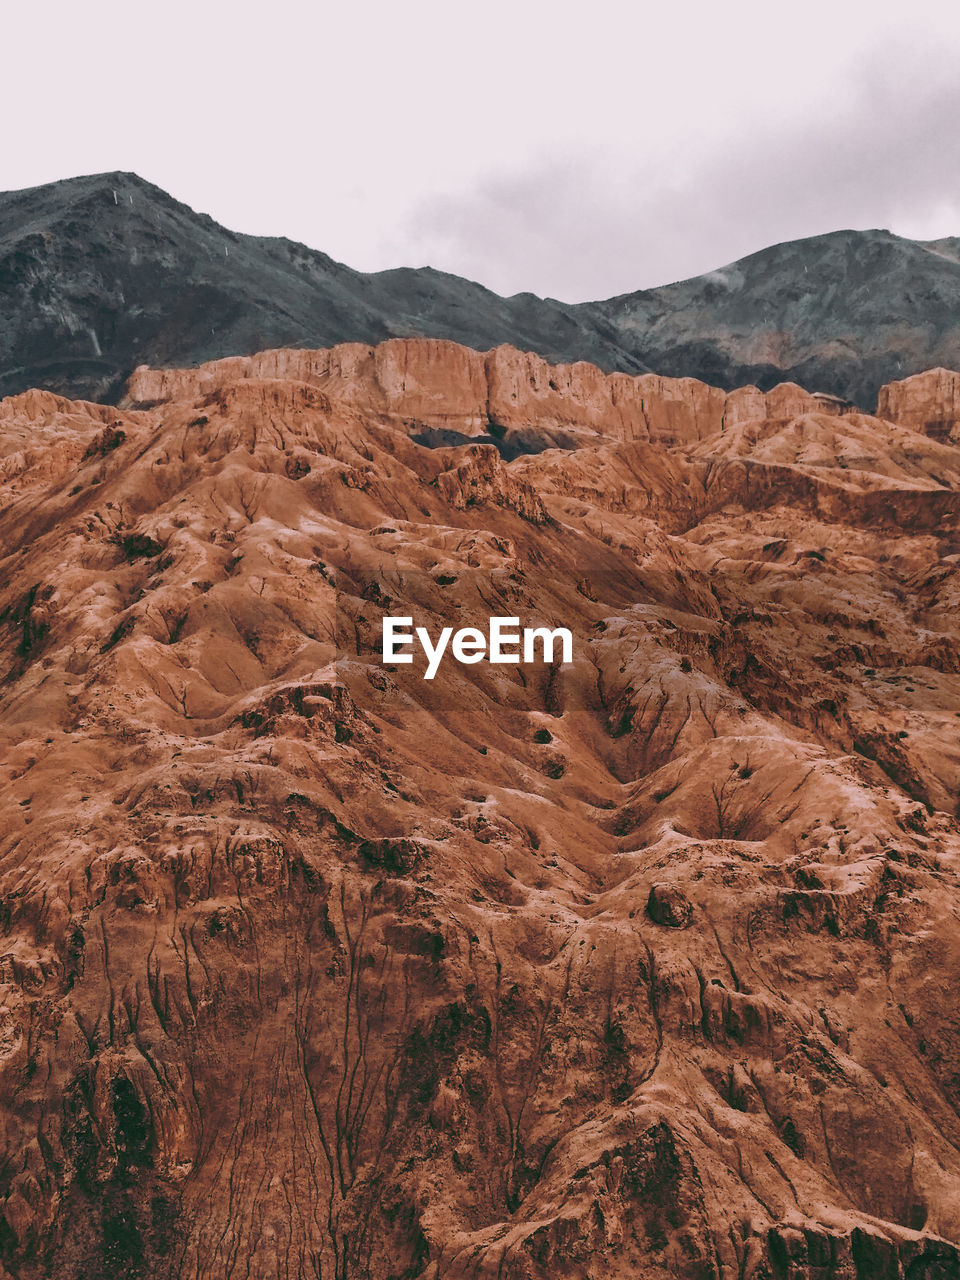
[(928, 402), (437, 384)]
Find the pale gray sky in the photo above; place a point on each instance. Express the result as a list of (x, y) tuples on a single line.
[(572, 149)]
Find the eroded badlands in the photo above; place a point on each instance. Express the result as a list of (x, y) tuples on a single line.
[(641, 966)]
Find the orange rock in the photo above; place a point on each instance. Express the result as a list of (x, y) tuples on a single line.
[(641, 964), (433, 383), (927, 402)]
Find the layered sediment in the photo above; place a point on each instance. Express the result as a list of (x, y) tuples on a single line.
[(436, 384)]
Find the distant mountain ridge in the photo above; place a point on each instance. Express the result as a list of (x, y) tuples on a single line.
[(841, 313), (100, 274)]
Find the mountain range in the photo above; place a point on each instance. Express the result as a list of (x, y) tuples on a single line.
[(103, 273)]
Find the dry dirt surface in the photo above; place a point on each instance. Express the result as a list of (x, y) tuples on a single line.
[(641, 966)]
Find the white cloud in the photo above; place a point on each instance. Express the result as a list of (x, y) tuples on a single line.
[(539, 144), (886, 154)]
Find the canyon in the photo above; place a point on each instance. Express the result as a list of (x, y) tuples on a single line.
[(643, 964)]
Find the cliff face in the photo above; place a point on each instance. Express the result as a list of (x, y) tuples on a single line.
[(643, 965), (440, 385), (928, 402), (103, 273)]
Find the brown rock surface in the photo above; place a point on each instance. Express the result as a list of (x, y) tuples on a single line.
[(645, 965), (432, 383), (927, 402)]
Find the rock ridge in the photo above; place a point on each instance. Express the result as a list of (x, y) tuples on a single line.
[(439, 384)]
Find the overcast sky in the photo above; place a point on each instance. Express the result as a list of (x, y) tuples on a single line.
[(575, 150)]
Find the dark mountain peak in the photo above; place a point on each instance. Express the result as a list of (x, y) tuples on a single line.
[(93, 207), (842, 313), (121, 181), (68, 193), (102, 272)]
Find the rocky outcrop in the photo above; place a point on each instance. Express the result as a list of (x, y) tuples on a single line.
[(418, 380), (641, 964), (429, 384), (928, 402), (669, 905)]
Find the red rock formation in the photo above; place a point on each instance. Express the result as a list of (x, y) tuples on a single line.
[(427, 383), (640, 966), (927, 402)]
